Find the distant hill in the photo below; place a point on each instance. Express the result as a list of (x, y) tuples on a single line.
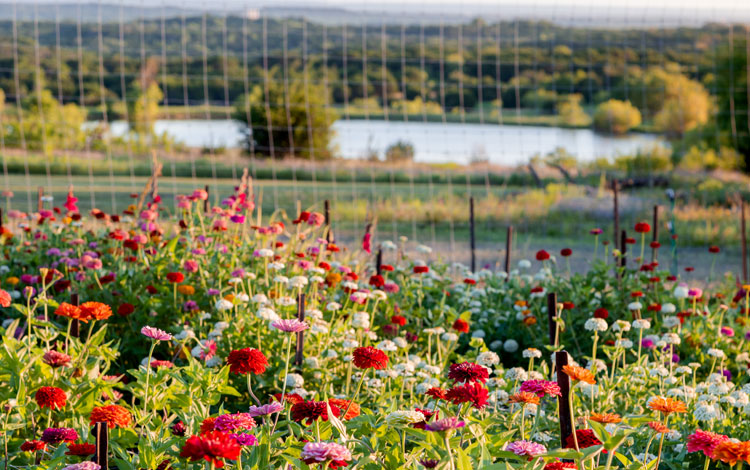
[(88, 12)]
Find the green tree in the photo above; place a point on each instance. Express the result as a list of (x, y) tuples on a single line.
[(143, 108), (732, 96), (401, 151), (287, 124), (616, 117), (570, 112)]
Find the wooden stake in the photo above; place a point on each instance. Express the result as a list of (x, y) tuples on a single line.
[(566, 417), (205, 203), (508, 248), (1, 220), (623, 249), (379, 262), (551, 313), (39, 195), (471, 235), (616, 212), (327, 216), (101, 432), (75, 324), (743, 233), (656, 233), (300, 335)]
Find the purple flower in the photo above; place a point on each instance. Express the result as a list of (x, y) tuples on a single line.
[(290, 326), (155, 333), (727, 373), (58, 435), (316, 452), (53, 252), (213, 292), (238, 273), (245, 439), (647, 343), (237, 219), (532, 449), (264, 410), (190, 306), (445, 424)]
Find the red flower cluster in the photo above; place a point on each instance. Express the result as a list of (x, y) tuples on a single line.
[(213, 447), (244, 361), (368, 357), (176, 277), (86, 312), (398, 320), (586, 438), (81, 450), (542, 255), (377, 281), (468, 372), (462, 326), (473, 393), (50, 397), (437, 393), (420, 269), (309, 411)]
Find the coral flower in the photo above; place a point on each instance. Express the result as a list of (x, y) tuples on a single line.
[(368, 357), (113, 415), (705, 441), (468, 372), (605, 418), (244, 361), (732, 452), (667, 405), (4, 298), (525, 398), (342, 405), (659, 427), (579, 374), (213, 447), (68, 310), (95, 311), (50, 397)]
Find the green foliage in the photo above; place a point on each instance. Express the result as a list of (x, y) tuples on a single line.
[(400, 151), (570, 112), (616, 117), (708, 159)]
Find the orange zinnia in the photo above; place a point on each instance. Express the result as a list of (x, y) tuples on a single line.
[(113, 415), (68, 310), (525, 397), (579, 374), (658, 427), (342, 405), (667, 405), (95, 311), (732, 452), (605, 418)]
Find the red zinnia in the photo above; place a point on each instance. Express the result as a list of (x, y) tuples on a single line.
[(468, 372), (561, 466), (309, 411), (81, 450), (437, 393), (642, 227), (469, 281), (713, 249), (243, 361), (398, 320), (542, 255), (473, 393), (386, 267), (566, 252), (704, 441), (50, 397), (125, 309), (367, 357), (420, 269), (212, 447), (4, 298), (377, 280), (33, 446), (602, 313), (586, 438), (462, 326), (654, 244), (175, 278)]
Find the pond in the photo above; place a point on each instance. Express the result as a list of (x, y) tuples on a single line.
[(433, 142)]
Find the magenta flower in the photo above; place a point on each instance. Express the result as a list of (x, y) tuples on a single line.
[(155, 333), (695, 293), (234, 422), (290, 326), (595, 231), (318, 452), (727, 331), (58, 435), (529, 448), (541, 388), (245, 439), (445, 424), (264, 410)]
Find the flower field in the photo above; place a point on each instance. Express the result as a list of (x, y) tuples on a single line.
[(227, 338)]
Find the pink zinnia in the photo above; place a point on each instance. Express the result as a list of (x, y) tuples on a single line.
[(234, 422), (56, 359), (155, 333), (541, 388), (316, 219), (318, 452), (264, 410), (695, 293), (532, 449), (290, 326), (704, 441), (445, 424), (595, 231)]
